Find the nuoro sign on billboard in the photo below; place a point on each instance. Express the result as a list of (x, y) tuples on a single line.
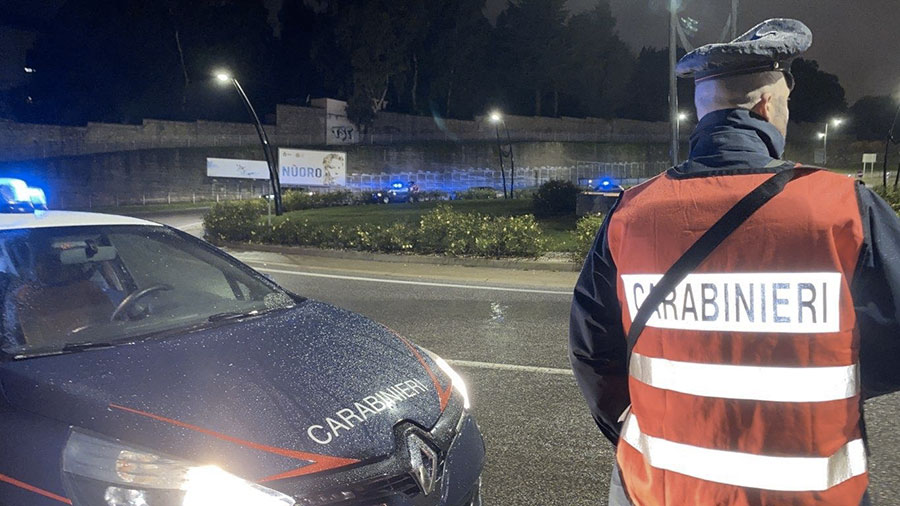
[(304, 167)]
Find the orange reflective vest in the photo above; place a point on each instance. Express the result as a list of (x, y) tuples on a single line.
[(745, 383)]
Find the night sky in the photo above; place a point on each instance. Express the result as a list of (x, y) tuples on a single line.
[(859, 40)]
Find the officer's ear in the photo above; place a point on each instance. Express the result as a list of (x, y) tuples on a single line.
[(766, 106)]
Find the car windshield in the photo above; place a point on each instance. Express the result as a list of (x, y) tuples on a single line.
[(71, 287)]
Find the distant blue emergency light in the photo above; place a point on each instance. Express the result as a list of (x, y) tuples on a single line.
[(606, 182), (17, 197), (396, 185)]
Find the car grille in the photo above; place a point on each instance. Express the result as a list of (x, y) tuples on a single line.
[(363, 494)]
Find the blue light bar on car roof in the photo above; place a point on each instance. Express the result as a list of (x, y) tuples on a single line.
[(37, 197), (16, 190), (17, 196)]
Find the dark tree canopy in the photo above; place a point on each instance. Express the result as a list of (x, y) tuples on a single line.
[(817, 95), (154, 59)]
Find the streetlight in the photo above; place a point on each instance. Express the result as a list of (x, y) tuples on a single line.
[(682, 116), (223, 76), (496, 118), (836, 122)]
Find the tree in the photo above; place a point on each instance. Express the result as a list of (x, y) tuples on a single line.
[(601, 63), (456, 70), (147, 59), (372, 35), (648, 88), (301, 31), (534, 49), (817, 94), (871, 117)]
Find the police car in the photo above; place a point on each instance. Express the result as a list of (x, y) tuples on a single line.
[(144, 367), (397, 193)]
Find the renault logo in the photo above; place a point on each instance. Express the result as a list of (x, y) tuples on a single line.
[(424, 462)]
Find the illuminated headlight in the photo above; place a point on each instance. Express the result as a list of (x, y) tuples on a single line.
[(103, 472), (458, 384)]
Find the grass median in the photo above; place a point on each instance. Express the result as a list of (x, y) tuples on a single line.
[(558, 230)]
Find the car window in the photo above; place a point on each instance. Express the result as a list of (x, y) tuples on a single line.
[(69, 285)]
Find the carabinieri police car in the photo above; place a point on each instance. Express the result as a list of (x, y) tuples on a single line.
[(144, 367)]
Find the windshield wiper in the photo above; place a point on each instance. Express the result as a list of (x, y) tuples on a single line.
[(239, 315), (233, 315)]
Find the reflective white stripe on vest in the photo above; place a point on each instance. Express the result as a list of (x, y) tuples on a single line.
[(789, 474), (778, 384)]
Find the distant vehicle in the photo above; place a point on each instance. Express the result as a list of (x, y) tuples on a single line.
[(141, 366), (608, 185), (397, 193)]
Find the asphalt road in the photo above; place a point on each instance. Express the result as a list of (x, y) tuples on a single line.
[(510, 346)]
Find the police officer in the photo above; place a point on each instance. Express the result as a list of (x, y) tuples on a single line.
[(746, 385)]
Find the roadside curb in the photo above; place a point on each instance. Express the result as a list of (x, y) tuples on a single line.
[(524, 265)]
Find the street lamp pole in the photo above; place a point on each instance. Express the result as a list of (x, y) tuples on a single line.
[(263, 138), (673, 81), (512, 163), (825, 146), (496, 118), (500, 157)]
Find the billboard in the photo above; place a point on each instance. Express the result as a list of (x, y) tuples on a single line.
[(303, 167), (244, 169)]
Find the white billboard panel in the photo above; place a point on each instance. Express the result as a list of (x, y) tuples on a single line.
[(244, 169), (304, 167)]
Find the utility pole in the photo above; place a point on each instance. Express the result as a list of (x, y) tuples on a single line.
[(673, 81), (734, 12)]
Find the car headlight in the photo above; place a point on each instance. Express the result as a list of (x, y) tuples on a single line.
[(458, 384), (104, 472)]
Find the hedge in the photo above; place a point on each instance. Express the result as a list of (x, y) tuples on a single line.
[(555, 198), (585, 232), (440, 231)]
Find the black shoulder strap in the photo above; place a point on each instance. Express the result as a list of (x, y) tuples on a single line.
[(709, 241)]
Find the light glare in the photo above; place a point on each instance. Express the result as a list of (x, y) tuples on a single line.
[(458, 384), (496, 117), (211, 486)]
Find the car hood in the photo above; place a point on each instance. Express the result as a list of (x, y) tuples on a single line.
[(288, 393)]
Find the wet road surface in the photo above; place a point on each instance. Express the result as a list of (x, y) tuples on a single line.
[(510, 346)]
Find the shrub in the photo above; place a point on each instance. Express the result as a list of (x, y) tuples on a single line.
[(508, 236), (237, 220), (441, 231), (446, 231), (390, 239), (294, 200), (555, 198), (890, 195), (433, 195), (477, 194), (585, 232)]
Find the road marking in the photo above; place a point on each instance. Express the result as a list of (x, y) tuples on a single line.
[(190, 225), (418, 283), (511, 367)]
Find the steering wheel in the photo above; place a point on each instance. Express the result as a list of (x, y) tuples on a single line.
[(134, 296)]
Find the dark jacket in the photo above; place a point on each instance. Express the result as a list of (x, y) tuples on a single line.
[(735, 141)]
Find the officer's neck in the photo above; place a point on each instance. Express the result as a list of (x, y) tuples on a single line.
[(735, 139)]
